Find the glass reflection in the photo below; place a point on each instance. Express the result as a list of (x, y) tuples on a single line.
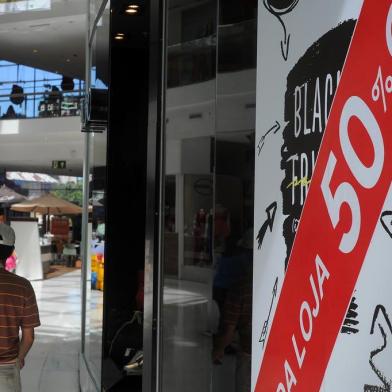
[(94, 7), (234, 189), (188, 237), (209, 177), (95, 275)]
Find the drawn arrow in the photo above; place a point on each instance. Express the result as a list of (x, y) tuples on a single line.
[(380, 308), (266, 322), (386, 384), (278, 10), (285, 44), (271, 211), (275, 128), (386, 221)]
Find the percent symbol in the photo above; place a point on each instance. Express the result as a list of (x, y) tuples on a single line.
[(380, 86)]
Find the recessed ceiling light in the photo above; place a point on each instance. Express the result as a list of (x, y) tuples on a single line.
[(132, 9), (121, 34), (119, 37), (68, 60), (35, 50)]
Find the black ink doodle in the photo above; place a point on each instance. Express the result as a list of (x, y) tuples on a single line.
[(386, 221), (294, 225), (261, 142), (311, 86), (278, 8), (269, 223), (350, 324), (387, 384), (264, 331)]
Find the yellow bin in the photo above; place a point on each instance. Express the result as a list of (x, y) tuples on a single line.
[(100, 276), (94, 267)]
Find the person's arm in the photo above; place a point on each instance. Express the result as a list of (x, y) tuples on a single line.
[(230, 316), (25, 344)]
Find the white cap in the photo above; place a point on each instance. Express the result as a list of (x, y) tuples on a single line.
[(7, 235)]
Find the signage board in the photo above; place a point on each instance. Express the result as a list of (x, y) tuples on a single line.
[(323, 197), (59, 164)]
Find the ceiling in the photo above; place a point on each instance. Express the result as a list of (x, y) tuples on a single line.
[(51, 40), (32, 145)]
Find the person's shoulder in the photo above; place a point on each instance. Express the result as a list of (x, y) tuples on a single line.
[(21, 281)]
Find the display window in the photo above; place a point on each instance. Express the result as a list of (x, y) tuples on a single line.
[(209, 138)]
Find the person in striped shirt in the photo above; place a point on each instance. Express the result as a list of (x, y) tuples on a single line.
[(18, 317)]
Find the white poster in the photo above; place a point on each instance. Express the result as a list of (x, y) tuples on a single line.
[(28, 250), (302, 50)]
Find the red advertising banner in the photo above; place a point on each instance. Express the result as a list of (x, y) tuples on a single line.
[(349, 186)]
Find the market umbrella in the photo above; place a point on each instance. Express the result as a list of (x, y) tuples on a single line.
[(48, 204), (9, 196)]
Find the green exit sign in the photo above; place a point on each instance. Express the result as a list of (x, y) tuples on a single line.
[(59, 164)]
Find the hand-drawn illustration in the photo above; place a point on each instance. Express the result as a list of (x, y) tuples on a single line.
[(264, 331), (350, 324), (311, 86), (386, 383), (275, 128), (386, 221), (269, 223), (278, 8)]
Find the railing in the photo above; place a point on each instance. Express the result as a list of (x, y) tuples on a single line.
[(39, 105), (195, 61)]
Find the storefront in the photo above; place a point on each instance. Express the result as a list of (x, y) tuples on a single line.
[(199, 172)]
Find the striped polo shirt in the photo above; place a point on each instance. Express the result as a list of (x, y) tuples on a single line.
[(18, 309)]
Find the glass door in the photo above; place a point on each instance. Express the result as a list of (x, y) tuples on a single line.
[(96, 144), (209, 146), (187, 238)]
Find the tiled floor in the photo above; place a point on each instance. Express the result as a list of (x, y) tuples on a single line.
[(53, 363)]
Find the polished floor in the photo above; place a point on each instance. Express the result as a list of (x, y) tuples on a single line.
[(189, 319), (53, 362)]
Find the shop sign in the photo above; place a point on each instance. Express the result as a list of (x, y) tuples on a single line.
[(59, 164), (321, 307)]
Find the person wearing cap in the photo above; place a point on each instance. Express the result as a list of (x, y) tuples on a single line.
[(18, 317)]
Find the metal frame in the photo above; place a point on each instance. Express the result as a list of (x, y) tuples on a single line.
[(154, 191), (86, 174), (86, 171), (155, 199)]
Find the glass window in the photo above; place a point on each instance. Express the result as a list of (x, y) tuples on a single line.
[(27, 92), (209, 190), (99, 54)]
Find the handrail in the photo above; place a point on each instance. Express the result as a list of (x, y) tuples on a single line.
[(40, 104), (59, 93)]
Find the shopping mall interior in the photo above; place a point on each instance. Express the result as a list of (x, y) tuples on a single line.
[(42, 81), (127, 173)]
